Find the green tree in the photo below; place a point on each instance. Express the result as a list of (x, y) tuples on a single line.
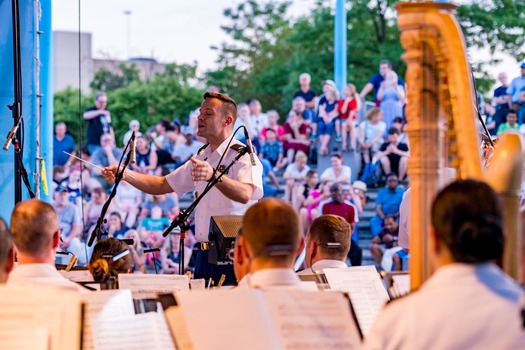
[(105, 80)]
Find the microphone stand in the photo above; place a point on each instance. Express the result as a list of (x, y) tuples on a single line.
[(97, 231), (182, 220)]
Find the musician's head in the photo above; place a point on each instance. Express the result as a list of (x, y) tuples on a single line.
[(467, 224), (6, 252), (327, 239), (35, 229), (110, 257), (271, 235), (217, 117)]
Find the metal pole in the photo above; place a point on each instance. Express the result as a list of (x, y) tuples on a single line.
[(128, 34), (38, 109), (340, 45)]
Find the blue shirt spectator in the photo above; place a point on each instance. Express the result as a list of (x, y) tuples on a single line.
[(62, 142), (272, 151), (388, 201)]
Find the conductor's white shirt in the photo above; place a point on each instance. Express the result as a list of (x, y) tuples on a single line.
[(215, 203), (461, 306)]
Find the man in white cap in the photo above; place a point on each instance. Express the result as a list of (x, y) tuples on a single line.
[(134, 125)]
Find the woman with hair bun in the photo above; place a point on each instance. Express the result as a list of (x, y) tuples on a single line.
[(110, 257), (468, 302)]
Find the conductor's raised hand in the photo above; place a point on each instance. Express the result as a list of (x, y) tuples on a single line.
[(201, 170), (109, 173)]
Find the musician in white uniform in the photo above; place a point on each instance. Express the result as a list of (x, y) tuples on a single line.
[(469, 302), (237, 190)]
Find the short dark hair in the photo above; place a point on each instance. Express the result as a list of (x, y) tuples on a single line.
[(387, 62), (467, 216), (331, 229), (512, 111), (393, 131), (228, 104), (391, 175)]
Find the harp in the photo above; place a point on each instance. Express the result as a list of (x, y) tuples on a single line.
[(444, 131)]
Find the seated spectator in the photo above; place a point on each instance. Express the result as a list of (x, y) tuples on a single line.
[(328, 120), (116, 228), (337, 172), (109, 154), (327, 85), (137, 253), (327, 244), (269, 191), (388, 201), (295, 176), (385, 241), (169, 254), (360, 189), (273, 123), (258, 121), (102, 266), (134, 125), (128, 201), (394, 155), (165, 137), (62, 142), (7, 252), (93, 208), (399, 124), (348, 107), (147, 160), (273, 150), (305, 92), (184, 151), (270, 241), (74, 187), (511, 124), (243, 119), (35, 230), (299, 107), (296, 136), (167, 203), (371, 133), (152, 227), (309, 200), (70, 225), (337, 206), (468, 302)]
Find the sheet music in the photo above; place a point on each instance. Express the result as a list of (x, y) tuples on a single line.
[(366, 290), (401, 283), (77, 275), (142, 331), (216, 318), (57, 311), (306, 320), (198, 284), (148, 286), (25, 339), (106, 304)]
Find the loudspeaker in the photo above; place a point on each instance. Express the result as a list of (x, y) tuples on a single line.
[(223, 231)]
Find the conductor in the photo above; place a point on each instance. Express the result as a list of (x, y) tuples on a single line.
[(237, 190)]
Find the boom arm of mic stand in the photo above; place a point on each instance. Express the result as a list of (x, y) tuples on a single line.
[(97, 231), (183, 216)]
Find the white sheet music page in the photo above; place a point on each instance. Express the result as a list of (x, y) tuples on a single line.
[(367, 293), (402, 284), (56, 311), (148, 286), (106, 304), (225, 319), (142, 331), (306, 320), (77, 275), (32, 338)]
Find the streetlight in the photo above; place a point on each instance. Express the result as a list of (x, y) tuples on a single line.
[(128, 20)]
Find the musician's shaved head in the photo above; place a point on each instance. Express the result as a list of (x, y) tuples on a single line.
[(272, 232)]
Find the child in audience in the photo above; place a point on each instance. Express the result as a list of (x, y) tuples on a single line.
[(296, 136), (348, 108), (371, 133), (139, 258), (152, 227), (272, 150), (169, 254)]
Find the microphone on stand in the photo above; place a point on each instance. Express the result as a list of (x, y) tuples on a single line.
[(249, 145), (133, 149)]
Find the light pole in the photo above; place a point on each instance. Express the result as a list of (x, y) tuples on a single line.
[(128, 20)]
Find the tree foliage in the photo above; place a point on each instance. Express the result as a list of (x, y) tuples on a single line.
[(105, 80)]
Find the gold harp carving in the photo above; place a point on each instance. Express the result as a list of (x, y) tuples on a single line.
[(443, 129)]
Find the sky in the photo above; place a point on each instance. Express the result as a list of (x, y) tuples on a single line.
[(180, 31)]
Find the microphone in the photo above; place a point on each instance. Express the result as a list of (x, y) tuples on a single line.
[(152, 250), (249, 145), (133, 149), (10, 136)]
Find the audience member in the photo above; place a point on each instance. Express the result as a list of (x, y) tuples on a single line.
[(296, 136), (371, 133), (146, 158), (295, 176), (70, 224), (243, 119), (93, 208), (468, 302), (392, 97), (327, 85), (258, 120), (272, 150), (328, 120), (99, 122), (309, 200), (116, 228), (375, 82), (134, 125), (184, 151), (167, 203), (273, 123), (137, 252), (152, 227), (299, 106), (108, 154), (511, 124), (348, 107), (399, 124), (337, 172), (269, 243), (128, 201), (327, 244), (62, 142), (500, 101), (102, 264), (514, 92), (305, 92), (7, 253), (384, 242), (35, 230), (360, 189), (388, 201), (393, 155), (169, 254)]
